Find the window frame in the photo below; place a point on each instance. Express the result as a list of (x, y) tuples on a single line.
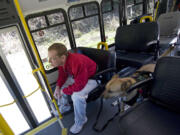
[(102, 37)]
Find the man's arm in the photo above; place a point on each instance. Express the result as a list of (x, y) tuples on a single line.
[(80, 78), (62, 77)]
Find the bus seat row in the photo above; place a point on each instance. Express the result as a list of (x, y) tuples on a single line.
[(137, 44), (141, 43)]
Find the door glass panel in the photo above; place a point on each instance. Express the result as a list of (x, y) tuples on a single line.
[(11, 113), (12, 46)]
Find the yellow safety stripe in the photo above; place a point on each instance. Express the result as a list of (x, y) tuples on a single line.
[(64, 131), (146, 17), (44, 125), (104, 44), (4, 127), (35, 51)]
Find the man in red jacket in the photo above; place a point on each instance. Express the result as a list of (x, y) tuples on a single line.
[(75, 71)]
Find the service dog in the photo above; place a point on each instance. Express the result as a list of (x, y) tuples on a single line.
[(118, 86)]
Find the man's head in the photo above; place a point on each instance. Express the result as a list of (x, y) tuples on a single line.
[(57, 54)]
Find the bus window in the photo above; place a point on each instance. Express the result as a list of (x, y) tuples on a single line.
[(110, 11), (55, 18), (37, 23), (150, 7), (137, 10), (91, 9), (134, 10), (52, 29), (85, 24), (130, 2), (12, 47), (139, 1), (11, 113), (76, 13)]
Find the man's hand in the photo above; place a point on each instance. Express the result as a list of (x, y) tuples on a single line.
[(57, 92)]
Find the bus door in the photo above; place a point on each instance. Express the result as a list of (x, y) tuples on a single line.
[(18, 83)]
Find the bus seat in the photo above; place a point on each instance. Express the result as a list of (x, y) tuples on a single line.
[(169, 24), (137, 44), (160, 113), (106, 65)]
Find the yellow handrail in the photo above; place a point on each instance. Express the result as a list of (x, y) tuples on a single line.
[(104, 44), (146, 17), (4, 127)]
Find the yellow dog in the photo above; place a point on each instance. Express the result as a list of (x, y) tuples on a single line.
[(118, 86)]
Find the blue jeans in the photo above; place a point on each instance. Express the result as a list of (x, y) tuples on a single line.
[(79, 99)]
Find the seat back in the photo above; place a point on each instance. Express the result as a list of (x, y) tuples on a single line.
[(137, 37), (166, 85), (169, 23)]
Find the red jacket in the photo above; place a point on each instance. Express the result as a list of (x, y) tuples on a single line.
[(80, 67)]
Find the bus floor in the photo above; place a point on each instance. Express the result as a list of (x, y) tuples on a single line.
[(92, 110)]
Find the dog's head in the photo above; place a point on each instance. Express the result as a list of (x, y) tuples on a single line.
[(117, 86)]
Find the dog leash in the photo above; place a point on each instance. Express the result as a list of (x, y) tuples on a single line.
[(98, 116)]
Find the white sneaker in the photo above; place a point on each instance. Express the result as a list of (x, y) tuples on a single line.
[(75, 129)]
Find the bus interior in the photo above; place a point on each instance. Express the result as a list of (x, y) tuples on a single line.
[(121, 36)]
